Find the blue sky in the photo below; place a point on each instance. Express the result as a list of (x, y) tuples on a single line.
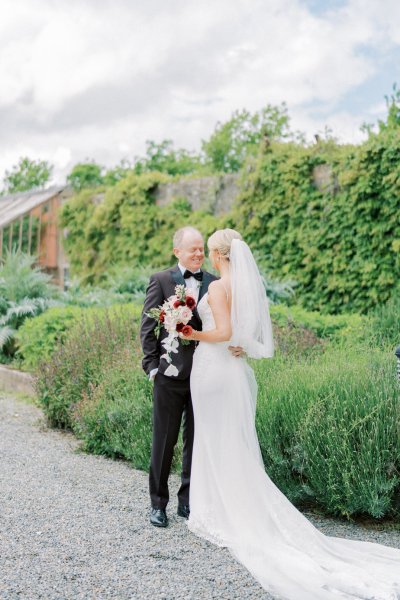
[(321, 8), (96, 79)]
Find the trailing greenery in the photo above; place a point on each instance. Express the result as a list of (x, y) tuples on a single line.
[(323, 216)]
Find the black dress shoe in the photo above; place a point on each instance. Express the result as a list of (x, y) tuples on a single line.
[(184, 510), (158, 517)]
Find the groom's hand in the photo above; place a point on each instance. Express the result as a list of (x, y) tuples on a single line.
[(236, 350)]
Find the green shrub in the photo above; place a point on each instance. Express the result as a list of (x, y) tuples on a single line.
[(25, 291), (38, 338), (348, 326), (115, 419), (78, 365), (328, 429)]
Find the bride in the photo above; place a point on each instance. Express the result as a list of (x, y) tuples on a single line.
[(233, 502)]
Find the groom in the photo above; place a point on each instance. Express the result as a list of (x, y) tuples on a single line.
[(172, 399)]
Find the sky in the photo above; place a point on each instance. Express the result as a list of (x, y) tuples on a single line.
[(94, 79)]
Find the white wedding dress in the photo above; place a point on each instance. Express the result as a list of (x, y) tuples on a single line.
[(235, 504)]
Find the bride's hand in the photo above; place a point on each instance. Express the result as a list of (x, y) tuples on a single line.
[(236, 350), (188, 333)]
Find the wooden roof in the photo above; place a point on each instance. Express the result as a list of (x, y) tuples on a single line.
[(14, 206)]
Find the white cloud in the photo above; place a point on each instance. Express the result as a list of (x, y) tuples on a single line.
[(96, 79)]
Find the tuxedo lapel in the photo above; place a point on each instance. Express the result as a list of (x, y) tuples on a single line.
[(177, 276)]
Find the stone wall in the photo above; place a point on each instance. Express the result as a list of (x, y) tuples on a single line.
[(215, 194)]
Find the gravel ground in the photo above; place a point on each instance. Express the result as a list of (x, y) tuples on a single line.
[(75, 526)]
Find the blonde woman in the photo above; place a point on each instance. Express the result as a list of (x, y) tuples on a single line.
[(233, 501)]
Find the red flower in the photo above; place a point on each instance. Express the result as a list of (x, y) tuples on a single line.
[(187, 330), (190, 302), (178, 303), (162, 316), (179, 327)]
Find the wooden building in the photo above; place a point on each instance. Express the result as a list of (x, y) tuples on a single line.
[(29, 222)]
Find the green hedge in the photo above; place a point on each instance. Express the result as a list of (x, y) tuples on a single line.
[(327, 424), (335, 327), (38, 337), (328, 429)]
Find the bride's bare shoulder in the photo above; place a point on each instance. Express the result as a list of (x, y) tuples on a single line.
[(218, 287)]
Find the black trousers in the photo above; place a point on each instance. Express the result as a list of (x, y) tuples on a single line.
[(172, 401)]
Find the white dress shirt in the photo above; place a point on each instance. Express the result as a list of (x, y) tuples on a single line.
[(191, 282)]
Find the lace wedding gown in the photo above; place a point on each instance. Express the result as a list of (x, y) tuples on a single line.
[(235, 504)]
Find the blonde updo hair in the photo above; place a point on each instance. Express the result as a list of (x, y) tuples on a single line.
[(221, 241)]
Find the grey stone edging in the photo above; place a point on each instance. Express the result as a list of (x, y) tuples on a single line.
[(13, 380)]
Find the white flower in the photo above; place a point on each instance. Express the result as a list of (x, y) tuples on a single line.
[(185, 314), (171, 371)]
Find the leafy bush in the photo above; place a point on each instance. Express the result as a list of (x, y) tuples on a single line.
[(328, 429), (38, 338), (350, 327), (115, 419), (78, 365), (25, 291)]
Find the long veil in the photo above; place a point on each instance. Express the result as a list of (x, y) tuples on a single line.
[(251, 321)]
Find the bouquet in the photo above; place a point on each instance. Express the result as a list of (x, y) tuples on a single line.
[(174, 315)]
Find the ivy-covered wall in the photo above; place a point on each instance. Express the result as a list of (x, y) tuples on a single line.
[(342, 244), (337, 235), (127, 227)]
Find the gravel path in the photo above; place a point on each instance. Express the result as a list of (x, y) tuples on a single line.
[(75, 526)]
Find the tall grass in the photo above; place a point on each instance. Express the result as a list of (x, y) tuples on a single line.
[(329, 429)]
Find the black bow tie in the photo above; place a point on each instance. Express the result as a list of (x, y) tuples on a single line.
[(198, 275)]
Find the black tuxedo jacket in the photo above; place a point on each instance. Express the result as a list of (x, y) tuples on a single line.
[(162, 286)]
